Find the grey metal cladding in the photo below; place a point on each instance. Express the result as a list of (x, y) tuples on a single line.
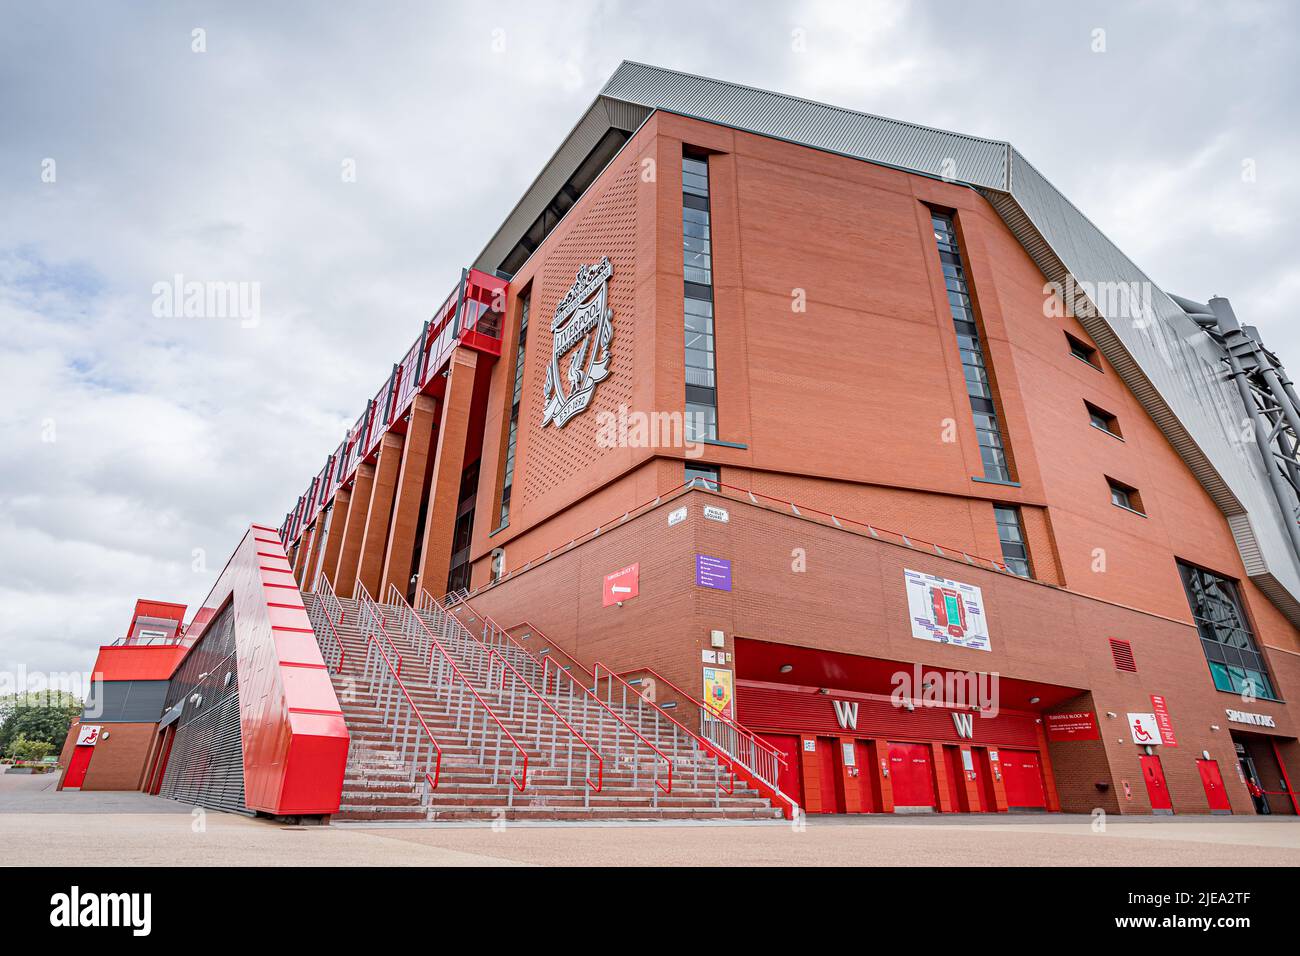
[(919, 148), (602, 116), (125, 701), (1173, 367)]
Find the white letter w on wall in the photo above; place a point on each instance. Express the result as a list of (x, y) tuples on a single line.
[(846, 712)]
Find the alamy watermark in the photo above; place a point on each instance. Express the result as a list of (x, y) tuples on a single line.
[(179, 298)]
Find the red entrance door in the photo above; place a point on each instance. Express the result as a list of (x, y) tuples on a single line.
[(832, 778), (913, 776), (1215, 795), (1022, 776), (1157, 789), (77, 767), (790, 779)]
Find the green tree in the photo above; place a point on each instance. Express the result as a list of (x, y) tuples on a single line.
[(39, 717), (27, 749)]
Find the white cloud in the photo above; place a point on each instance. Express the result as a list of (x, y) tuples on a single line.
[(172, 434)]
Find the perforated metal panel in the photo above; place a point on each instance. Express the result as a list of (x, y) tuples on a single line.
[(206, 764)]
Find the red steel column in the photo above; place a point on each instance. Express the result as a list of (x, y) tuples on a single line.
[(375, 540), (448, 463), (404, 527), (301, 558)]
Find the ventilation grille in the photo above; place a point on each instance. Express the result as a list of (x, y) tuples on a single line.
[(206, 765), (1122, 652)]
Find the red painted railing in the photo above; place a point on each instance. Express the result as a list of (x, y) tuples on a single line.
[(396, 598), (470, 316)]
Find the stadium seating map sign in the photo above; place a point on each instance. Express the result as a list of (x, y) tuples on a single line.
[(947, 612)]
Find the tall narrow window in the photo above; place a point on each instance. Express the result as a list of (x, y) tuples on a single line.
[(1236, 665), (513, 438), (973, 361), (697, 254), (1012, 535)]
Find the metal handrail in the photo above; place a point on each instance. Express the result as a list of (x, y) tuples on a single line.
[(325, 590), (668, 763), (362, 596), (699, 742), (382, 693), (715, 714), (450, 664), (319, 615), (596, 784)]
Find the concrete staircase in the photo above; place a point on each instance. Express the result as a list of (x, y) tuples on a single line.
[(485, 708)]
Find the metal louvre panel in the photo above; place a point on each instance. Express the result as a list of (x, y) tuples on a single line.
[(969, 158), (206, 764)]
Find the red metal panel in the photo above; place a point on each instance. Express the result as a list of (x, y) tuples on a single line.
[(1154, 776), (138, 661), (77, 767), (1022, 776), (912, 771), (791, 781), (1215, 794), (831, 777), (294, 737)]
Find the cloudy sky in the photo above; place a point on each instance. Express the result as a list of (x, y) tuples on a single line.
[(135, 447)]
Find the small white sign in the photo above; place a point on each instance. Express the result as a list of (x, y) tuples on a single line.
[(849, 757), (810, 746), (710, 657), (716, 514), (677, 517), (1245, 717), (1144, 730), (88, 736)]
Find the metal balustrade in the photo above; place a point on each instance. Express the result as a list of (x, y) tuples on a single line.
[(755, 755), (327, 637), (410, 734), (325, 591), (719, 735), (552, 734), (471, 715)]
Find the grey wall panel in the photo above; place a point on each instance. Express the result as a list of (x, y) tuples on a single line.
[(125, 701)]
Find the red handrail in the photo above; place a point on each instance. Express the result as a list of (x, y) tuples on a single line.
[(613, 713), (373, 607), (491, 651), (703, 744), (715, 714), (469, 687), (437, 767), (342, 651)]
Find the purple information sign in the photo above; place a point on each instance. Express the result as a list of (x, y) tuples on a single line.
[(712, 572)]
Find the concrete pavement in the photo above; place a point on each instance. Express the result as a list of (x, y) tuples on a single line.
[(40, 826)]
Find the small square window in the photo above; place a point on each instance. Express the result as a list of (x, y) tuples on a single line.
[(1102, 419), (703, 476), (1083, 351), (1125, 496)]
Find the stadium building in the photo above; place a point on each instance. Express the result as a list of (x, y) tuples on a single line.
[(770, 455)]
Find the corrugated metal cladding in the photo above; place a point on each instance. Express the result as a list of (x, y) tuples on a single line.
[(920, 148), (1172, 367), (126, 701), (206, 765)]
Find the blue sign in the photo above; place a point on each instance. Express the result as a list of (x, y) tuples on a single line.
[(712, 572)]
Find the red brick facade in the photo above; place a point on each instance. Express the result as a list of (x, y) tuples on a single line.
[(840, 387)]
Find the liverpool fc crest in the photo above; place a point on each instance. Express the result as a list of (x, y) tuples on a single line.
[(581, 330)]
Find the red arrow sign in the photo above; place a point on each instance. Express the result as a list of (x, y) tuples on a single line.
[(622, 585)]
